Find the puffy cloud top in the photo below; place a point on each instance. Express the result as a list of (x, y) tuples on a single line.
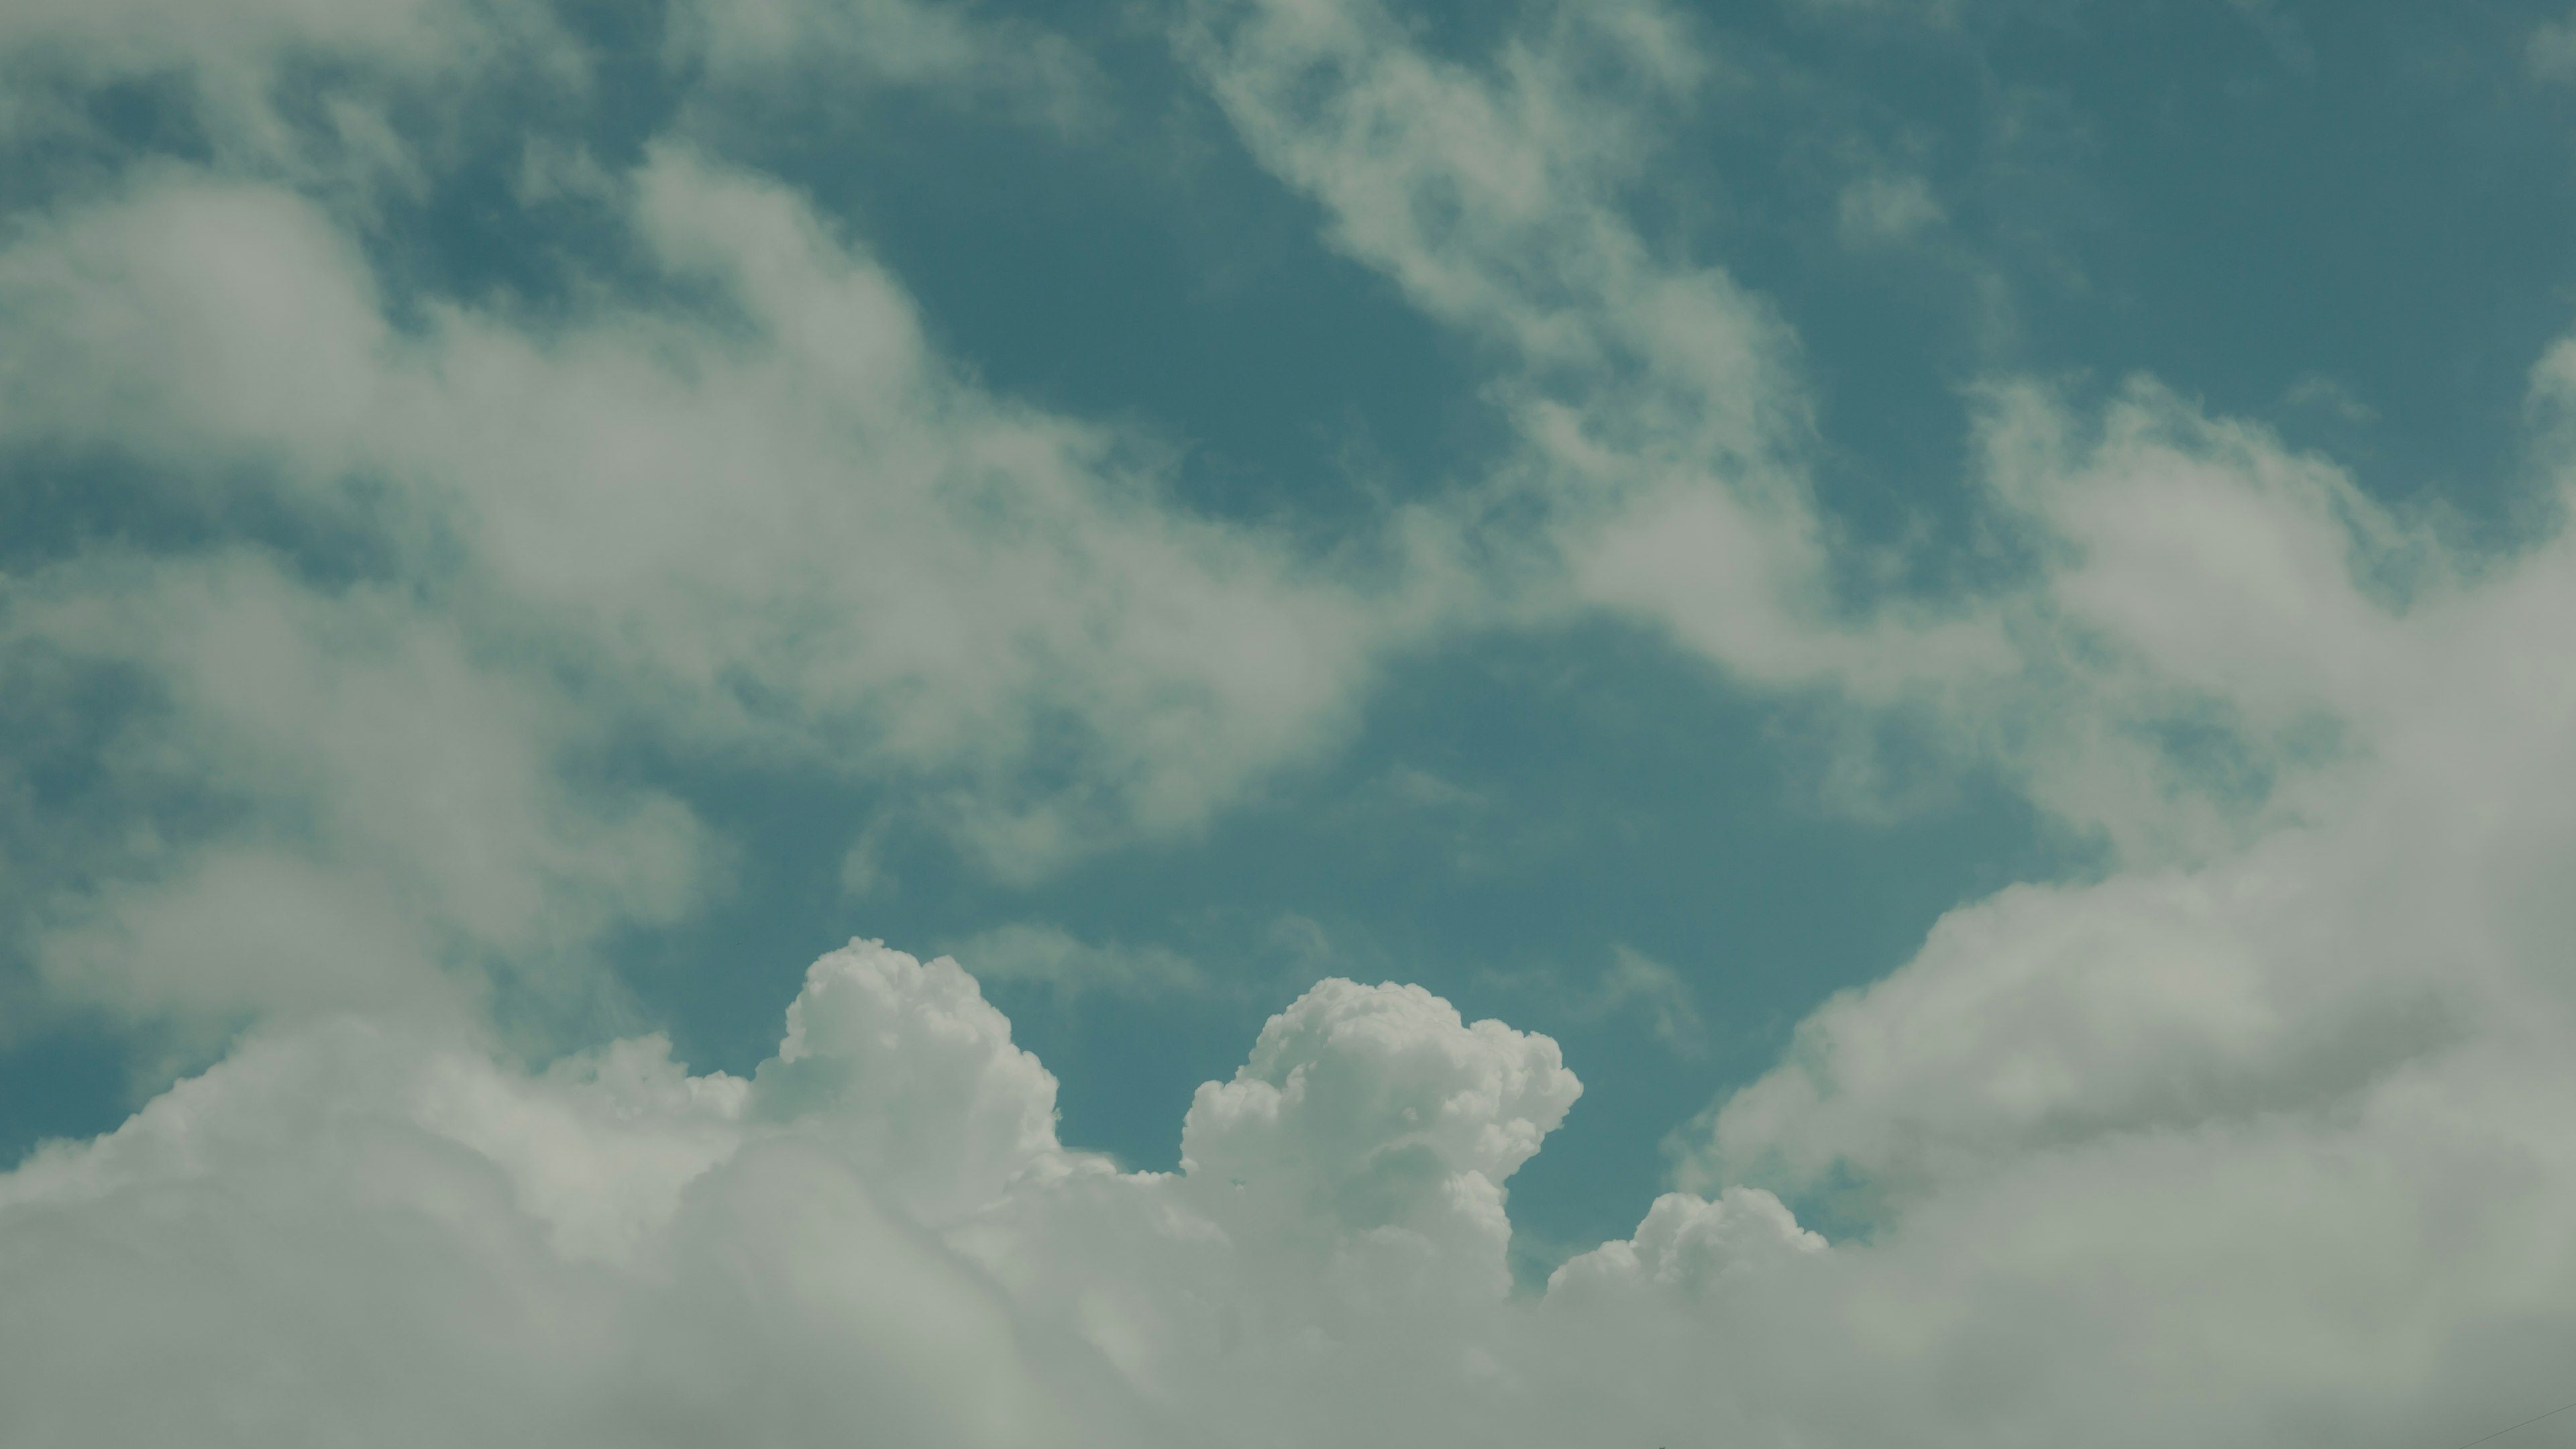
[(910, 1076), (1373, 1103)]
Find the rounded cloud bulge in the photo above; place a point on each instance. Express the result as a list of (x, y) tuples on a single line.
[(349, 1229)]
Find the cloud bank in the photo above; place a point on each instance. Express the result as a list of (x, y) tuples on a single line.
[(355, 1229)]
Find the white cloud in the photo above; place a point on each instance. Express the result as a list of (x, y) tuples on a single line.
[(1633, 985), (2550, 49), (1687, 1247), (1378, 1112), (308, 89), (882, 1234), (752, 53), (386, 807), (2052, 1016), (916, 1077), (1886, 210), (1662, 418), (1637, 981), (1036, 951), (2196, 606), (357, 1232), (2212, 632), (788, 533), (2085, 1115), (2323, 395)]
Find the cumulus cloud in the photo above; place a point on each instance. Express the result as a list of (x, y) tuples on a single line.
[(880, 1234), (358, 1232)]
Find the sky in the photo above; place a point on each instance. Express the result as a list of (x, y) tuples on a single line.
[(1267, 722)]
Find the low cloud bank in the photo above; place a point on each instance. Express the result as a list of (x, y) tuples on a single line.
[(357, 1230)]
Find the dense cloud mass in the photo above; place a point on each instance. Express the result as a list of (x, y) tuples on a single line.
[(354, 1230), (324, 771)]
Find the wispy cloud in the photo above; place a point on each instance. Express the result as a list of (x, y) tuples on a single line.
[(1048, 955)]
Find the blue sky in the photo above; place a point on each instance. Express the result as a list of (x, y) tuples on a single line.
[(1953, 602)]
